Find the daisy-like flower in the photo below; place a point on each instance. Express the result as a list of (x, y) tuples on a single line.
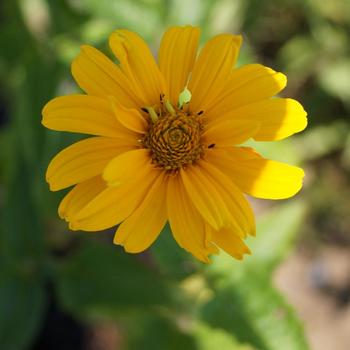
[(166, 142)]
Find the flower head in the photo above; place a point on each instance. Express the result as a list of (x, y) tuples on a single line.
[(166, 142)]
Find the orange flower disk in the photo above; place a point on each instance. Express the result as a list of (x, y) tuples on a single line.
[(166, 142)]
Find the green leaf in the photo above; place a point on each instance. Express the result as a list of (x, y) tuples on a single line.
[(21, 234), (143, 17), (102, 280), (276, 234), (22, 256), (33, 91), (285, 152), (335, 78), (298, 55), (172, 260), (245, 301), (158, 333), (209, 338), (251, 309), (323, 140), (22, 304)]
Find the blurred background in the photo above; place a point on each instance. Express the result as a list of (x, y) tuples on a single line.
[(72, 290)]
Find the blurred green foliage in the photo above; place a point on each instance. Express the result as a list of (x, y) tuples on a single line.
[(162, 299)]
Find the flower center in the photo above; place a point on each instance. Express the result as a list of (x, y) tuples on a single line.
[(174, 139)]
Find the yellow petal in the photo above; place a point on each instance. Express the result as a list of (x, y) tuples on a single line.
[(247, 84), (205, 197), (83, 114), (115, 204), (212, 69), (177, 55), (130, 118), (278, 118), (227, 240), (242, 219), (187, 225), (97, 75), (138, 65), (80, 196), (230, 132), (82, 161), (257, 176), (121, 168), (142, 228)]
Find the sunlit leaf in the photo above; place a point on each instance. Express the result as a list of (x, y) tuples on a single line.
[(209, 338), (256, 313), (245, 303), (335, 78), (276, 234), (323, 140)]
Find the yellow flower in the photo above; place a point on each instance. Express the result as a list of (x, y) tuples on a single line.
[(166, 144)]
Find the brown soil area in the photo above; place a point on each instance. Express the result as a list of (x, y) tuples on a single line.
[(318, 287)]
